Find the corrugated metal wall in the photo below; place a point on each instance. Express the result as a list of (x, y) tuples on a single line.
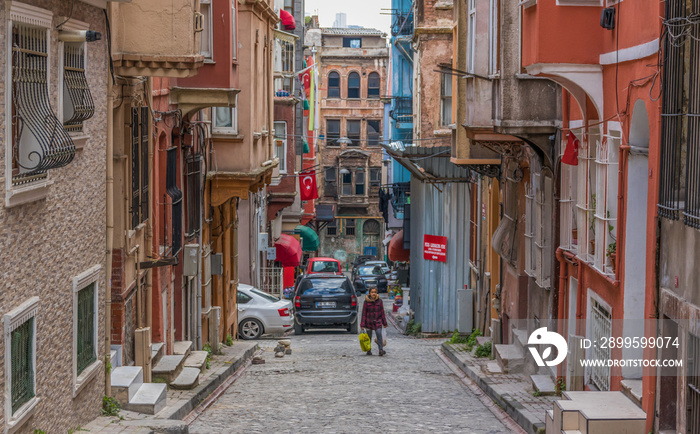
[(434, 284)]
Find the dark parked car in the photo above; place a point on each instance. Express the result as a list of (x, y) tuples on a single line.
[(361, 259), (366, 277), (325, 300)]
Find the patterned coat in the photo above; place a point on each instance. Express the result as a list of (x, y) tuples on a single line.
[(373, 316)]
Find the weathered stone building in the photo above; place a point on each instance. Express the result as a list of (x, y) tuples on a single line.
[(353, 76), (52, 218)]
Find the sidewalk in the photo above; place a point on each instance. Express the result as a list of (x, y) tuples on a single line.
[(512, 392), (180, 402)]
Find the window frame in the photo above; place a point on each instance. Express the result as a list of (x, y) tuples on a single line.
[(13, 320), (225, 130), (234, 32), (347, 41), (355, 137), (471, 35), (80, 282), (283, 160), (360, 182), (193, 186), (332, 225), (349, 228), (139, 192), (375, 183), (347, 182), (207, 33), (446, 100), (332, 140), (331, 87), (493, 37), (371, 141), (78, 134), (355, 90), (371, 93), (330, 187)]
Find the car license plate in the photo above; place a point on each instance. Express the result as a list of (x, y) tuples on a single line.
[(325, 304)]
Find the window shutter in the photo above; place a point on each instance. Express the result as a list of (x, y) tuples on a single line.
[(176, 197), (144, 163)]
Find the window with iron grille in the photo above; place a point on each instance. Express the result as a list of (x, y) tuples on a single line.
[(332, 228), (333, 85), (679, 193), (446, 100), (374, 131), (86, 345), (39, 140), (22, 364), (77, 100), (332, 132), (354, 132), (360, 182), (599, 327), (139, 166), (693, 376), (350, 227), (374, 83), (354, 85), (330, 182), (194, 194), (175, 195)]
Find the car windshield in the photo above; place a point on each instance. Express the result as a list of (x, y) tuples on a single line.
[(331, 286), (369, 271), (325, 267), (265, 295)]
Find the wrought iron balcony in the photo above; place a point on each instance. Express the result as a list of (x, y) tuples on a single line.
[(403, 24), (402, 109), (400, 193)]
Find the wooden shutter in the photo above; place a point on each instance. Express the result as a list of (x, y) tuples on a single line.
[(144, 163)]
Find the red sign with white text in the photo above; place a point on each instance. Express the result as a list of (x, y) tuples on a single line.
[(435, 248)]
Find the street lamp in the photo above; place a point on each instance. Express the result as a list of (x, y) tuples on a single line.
[(344, 171), (343, 141)]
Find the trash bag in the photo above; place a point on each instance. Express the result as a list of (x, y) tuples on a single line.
[(365, 343)]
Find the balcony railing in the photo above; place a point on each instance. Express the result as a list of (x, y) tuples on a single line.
[(400, 193), (403, 24), (353, 201), (402, 109)]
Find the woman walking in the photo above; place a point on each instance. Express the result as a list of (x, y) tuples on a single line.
[(373, 318)]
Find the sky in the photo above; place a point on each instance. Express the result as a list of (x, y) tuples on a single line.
[(365, 13)]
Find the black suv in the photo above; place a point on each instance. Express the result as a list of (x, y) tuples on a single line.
[(366, 277), (325, 300)]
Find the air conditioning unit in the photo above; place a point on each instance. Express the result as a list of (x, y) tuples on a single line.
[(214, 324), (190, 260)]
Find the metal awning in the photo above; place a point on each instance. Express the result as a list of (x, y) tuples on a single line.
[(325, 212), (430, 163)]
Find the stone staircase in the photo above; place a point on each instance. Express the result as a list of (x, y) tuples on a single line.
[(595, 413), (516, 358), (178, 371)]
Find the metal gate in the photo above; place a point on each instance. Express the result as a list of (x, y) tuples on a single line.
[(271, 280), (600, 328), (693, 397)]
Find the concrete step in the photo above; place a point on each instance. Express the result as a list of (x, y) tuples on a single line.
[(510, 357), (571, 431), (182, 348), (543, 384), (168, 368), (481, 340), (597, 413), (494, 368), (157, 351), (149, 399), (633, 390), (196, 359), (113, 359), (520, 338), (126, 381), (188, 379)]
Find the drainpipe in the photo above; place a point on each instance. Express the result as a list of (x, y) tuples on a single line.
[(201, 244), (109, 209), (149, 224), (563, 277), (479, 263)]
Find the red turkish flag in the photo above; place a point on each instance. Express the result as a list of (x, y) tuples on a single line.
[(570, 156), (307, 186)]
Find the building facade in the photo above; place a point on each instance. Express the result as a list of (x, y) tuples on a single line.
[(353, 66), (53, 165)]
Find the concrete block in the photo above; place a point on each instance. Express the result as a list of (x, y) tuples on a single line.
[(168, 368), (188, 379), (196, 359), (126, 381), (157, 351), (182, 347), (543, 384), (149, 399)]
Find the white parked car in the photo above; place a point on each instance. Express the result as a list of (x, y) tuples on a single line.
[(259, 312), (385, 268)]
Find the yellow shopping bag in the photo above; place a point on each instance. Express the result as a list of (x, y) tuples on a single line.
[(365, 343)]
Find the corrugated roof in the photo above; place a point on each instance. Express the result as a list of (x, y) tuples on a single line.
[(348, 31)]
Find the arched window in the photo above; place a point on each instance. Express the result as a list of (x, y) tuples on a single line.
[(333, 85), (354, 85), (371, 227), (373, 85)]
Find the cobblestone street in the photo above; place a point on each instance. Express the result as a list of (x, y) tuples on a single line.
[(329, 385)]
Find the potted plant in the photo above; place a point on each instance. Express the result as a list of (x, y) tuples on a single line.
[(611, 253)]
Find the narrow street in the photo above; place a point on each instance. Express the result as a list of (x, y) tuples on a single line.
[(327, 384)]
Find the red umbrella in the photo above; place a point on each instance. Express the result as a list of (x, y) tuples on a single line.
[(288, 251), (287, 20), (396, 251)]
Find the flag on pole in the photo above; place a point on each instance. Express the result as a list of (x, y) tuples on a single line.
[(307, 186), (312, 100)]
